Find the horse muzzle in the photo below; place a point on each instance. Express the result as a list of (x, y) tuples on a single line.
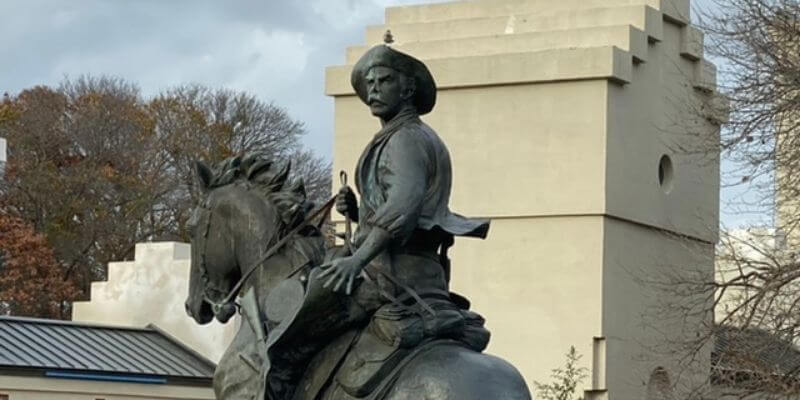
[(200, 310), (224, 312)]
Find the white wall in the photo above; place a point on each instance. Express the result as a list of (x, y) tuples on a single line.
[(152, 289), (35, 388)]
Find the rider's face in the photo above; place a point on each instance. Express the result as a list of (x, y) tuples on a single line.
[(387, 92)]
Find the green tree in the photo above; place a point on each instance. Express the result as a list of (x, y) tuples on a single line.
[(565, 380)]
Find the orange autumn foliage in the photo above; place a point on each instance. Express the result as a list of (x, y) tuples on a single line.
[(31, 281)]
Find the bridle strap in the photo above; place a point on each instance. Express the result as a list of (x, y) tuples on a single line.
[(323, 210)]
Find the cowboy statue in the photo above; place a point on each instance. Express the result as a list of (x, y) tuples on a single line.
[(373, 319), (404, 178), (404, 224)]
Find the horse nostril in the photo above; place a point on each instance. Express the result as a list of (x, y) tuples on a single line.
[(188, 309), (226, 311)]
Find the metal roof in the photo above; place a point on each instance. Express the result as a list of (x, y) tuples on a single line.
[(64, 345), (745, 349)]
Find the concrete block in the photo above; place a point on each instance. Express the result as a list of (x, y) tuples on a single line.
[(625, 37), (608, 62), (117, 269), (642, 17), (99, 294), (719, 109), (705, 76), (676, 11), (172, 250), (77, 308), (691, 43)]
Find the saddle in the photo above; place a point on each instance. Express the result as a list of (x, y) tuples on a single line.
[(355, 364), (362, 361), (344, 348), (389, 338)]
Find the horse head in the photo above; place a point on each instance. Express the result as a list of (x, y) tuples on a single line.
[(243, 210)]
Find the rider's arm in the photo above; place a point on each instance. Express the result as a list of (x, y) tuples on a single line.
[(403, 174)]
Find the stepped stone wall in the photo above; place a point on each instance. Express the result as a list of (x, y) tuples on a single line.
[(152, 289)]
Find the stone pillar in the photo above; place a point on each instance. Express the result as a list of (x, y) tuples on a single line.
[(151, 289), (787, 184), (3, 156), (567, 122)]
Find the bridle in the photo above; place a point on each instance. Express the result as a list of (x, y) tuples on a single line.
[(207, 283), (217, 306)]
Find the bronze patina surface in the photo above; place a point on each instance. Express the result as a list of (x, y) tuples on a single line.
[(374, 319)]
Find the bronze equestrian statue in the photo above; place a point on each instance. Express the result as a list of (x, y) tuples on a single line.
[(373, 319)]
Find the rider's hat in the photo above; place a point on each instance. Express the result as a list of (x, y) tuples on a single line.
[(384, 56)]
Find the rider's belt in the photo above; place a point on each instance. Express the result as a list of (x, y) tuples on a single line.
[(425, 294), (415, 248), (431, 255)]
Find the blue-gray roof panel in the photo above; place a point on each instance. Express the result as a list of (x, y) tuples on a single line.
[(38, 343)]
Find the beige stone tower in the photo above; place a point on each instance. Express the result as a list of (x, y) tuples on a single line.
[(568, 122)]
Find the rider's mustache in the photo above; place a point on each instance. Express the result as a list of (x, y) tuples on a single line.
[(373, 100)]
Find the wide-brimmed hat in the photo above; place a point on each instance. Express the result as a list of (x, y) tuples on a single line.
[(385, 56)]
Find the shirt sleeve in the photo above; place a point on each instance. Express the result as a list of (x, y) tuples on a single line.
[(403, 177)]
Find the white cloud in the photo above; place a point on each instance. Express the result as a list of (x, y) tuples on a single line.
[(277, 50)]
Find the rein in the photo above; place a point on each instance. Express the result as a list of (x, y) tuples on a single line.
[(323, 210)]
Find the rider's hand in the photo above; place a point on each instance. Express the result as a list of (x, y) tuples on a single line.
[(346, 203), (343, 271)]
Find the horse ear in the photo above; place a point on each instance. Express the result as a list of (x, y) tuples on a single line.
[(299, 188), (247, 162), (279, 180), (203, 175), (228, 177), (236, 162), (258, 168)]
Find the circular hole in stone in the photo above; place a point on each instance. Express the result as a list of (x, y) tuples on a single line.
[(659, 386), (665, 173)]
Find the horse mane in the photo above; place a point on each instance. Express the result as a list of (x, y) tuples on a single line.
[(266, 178)]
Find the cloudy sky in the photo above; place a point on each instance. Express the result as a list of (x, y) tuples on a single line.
[(275, 49)]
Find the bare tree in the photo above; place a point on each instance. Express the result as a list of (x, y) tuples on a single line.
[(77, 170), (755, 293), (96, 168), (756, 44), (196, 123)]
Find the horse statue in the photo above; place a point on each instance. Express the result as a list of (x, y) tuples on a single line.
[(255, 249)]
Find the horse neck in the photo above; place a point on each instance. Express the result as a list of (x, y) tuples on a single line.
[(254, 227), (257, 227)]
